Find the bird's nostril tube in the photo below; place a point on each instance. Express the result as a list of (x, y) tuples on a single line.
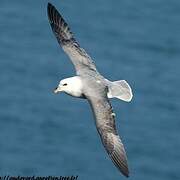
[(56, 90)]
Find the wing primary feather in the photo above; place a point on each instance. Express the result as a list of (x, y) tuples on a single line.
[(120, 165), (58, 25), (118, 156), (81, 60)]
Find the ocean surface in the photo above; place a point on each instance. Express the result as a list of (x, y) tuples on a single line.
[(44, 134)]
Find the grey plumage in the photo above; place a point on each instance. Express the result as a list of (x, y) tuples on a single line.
[(105, 122), (78, 56), (95, 90)]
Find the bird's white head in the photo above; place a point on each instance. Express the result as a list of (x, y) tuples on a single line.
[(71, 86)]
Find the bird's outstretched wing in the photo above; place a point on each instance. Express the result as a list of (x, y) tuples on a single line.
[(78, 56), (105, 122)]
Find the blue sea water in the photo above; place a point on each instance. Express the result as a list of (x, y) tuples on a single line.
[(44, 134)]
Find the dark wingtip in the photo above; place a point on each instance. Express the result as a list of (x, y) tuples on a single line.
[(49, 4), (49, 8), (127, 175), (58, 24)]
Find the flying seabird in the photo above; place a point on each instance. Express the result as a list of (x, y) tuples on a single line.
[(91, 85)]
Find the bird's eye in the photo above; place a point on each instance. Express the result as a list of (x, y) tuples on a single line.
[(65, 84)]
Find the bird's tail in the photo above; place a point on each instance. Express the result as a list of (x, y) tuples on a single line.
[(59, 25), (120, 89)]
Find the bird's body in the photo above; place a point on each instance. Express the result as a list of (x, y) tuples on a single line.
[(90, 84)]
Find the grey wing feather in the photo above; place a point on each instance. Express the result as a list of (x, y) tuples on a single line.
[(78, 56), (105, 122)]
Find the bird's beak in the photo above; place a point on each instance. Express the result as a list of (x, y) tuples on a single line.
[(57, 90)]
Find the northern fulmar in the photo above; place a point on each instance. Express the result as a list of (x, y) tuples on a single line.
[(91, 85)]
